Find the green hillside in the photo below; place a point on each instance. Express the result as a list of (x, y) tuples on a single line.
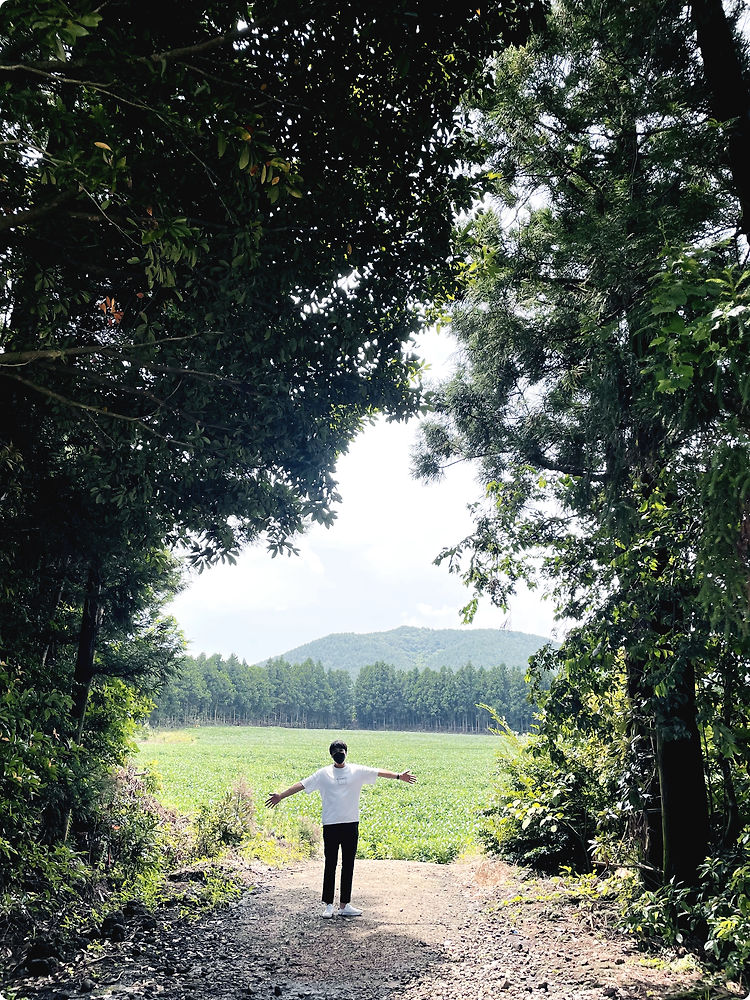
[(407, 647)]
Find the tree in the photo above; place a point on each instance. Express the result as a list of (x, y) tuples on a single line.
[(182, 303), (220, 224), (725, 73), (252, 689), (314, 695), (284, 696), (467, 693), (340, 683), (185, 695), (63, 765), (221, 690), (410, 687), (599, 135), (310, 695), (429, 696), (377, 694)]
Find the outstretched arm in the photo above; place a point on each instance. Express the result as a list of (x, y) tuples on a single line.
[(403, 776), (273, 800)]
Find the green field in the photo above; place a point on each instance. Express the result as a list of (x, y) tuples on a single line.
[(433, 820)]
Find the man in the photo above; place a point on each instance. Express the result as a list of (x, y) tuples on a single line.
[(339, 785)]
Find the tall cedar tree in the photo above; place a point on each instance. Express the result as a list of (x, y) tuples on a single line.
[(604, 154)]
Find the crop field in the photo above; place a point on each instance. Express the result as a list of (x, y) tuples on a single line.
[(433, 820)]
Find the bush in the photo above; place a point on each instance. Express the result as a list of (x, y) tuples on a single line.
[(33, 759), (716, 915), (723, 908), (662, 915), (124, 851), (310, 834), (225, 823), (138, 838), (549, 801)]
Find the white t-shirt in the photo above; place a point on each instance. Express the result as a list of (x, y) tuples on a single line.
[(339, 788)]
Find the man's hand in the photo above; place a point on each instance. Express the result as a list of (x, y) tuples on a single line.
[(273, 800), (408, 776)]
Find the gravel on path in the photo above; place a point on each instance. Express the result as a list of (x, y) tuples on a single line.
[(466, 931)]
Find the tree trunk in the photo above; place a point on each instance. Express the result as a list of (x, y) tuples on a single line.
[(84, 669), (684, 805), (679, 755), (730, 97), (49, 649), (733, 817), (647, 828)]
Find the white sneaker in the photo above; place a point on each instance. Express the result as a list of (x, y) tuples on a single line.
[(327, 910), (349, 911)]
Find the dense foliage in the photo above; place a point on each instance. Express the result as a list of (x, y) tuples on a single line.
[(598, 456), (603, 390), (51, 774), (198, 328), (550, 800), (220, 227), (212, 689)]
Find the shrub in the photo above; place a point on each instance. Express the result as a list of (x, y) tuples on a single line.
[(138, 837), (225, 823), (716, 914), (723, 908), (33, 759), (664, 914), (550, 799), (310, 834)]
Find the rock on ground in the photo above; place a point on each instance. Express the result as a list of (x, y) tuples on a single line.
[(466, 931)]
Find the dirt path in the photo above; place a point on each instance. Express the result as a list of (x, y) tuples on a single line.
[(443, 932)]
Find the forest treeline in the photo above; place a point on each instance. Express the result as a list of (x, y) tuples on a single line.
[(229, 690)]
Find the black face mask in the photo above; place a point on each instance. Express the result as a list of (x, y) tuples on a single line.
[(339, 756)]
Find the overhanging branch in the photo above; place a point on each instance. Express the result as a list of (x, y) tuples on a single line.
[(139, 421), (55, 66), (208, 46), (38, 212), (14, 359)]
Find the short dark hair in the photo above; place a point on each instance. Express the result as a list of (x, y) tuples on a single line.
[(336, 746)]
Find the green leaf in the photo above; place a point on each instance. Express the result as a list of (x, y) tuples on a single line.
[(73, 30)]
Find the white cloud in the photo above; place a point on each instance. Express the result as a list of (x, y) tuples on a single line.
[(260, 582), (430, 612)]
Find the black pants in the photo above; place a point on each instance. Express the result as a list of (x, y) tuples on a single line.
[(335, 835)]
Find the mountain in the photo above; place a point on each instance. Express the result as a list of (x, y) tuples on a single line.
[(407, 647)]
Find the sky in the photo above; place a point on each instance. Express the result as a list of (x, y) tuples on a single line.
[(372, 571)]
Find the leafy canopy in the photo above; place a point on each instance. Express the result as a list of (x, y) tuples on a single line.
[(220, 224)]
